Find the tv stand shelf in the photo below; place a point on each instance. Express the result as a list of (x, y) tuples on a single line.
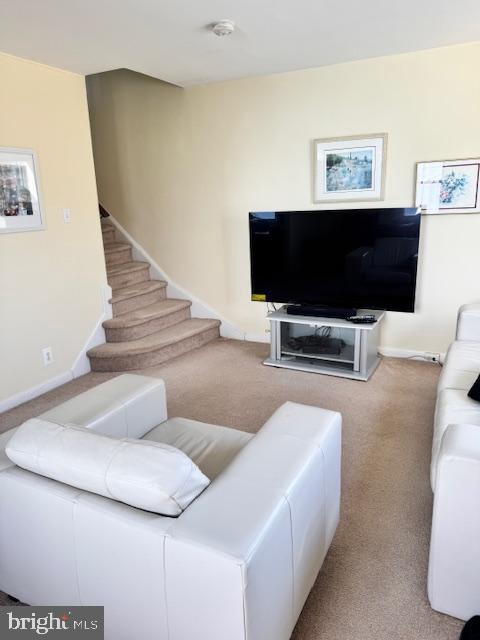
[(358, 357)]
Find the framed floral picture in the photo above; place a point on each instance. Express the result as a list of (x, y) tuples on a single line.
[(449, 186), (349, 168), (20, 202)]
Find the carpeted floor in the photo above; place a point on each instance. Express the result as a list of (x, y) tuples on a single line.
[(373, 583)]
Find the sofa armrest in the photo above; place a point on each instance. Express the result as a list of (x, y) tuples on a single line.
[(126, 406), (454, 565), (264, 524), (265, 472), (468, 322)]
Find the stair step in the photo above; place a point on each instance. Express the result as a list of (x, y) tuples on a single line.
[(138, 295), (117, 253), (146, 320), (156, 348), (113, 247), (122, 275), (108, 232)]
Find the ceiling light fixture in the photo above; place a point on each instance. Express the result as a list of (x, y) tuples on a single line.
[(223, 28)]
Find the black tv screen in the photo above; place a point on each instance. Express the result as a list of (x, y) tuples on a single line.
[(357, 258)]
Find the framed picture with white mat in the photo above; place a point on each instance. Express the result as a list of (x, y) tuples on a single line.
[(349, 168), (449, 186), (20, 199)]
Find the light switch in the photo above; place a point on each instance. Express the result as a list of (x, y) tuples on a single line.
[(67, 216)]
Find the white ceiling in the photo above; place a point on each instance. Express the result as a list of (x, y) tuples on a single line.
[(169, 39)]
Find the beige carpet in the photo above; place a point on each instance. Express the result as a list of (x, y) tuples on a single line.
[(372, 585)]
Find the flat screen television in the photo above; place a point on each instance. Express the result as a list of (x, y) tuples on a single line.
[(355, 258)]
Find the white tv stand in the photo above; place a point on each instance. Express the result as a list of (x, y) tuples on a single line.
[(358, 359)]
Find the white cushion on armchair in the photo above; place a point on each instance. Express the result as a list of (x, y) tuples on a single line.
[(149, 475)]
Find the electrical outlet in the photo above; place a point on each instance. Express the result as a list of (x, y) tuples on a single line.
[(67, 216), (432, 357), (47, 355)]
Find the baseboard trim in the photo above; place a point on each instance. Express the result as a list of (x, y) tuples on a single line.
[(81, 366), (174, 290), (34, 392), (409, 354), (257, 337)]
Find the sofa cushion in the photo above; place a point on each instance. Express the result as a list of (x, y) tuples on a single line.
[(148, 475), (461, 367), (453, 407), (210, 446)]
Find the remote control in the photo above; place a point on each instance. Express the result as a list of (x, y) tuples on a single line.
[(367, 319)]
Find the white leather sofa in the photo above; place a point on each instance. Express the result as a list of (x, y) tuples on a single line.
[(238, 563), (454, 565)]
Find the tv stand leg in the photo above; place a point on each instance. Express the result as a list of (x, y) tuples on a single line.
[(275, 330), (356, 349)]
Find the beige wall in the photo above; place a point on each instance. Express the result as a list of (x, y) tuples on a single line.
[(50, 281), (180, 169)]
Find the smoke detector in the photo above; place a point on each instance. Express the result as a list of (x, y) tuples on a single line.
[(223, 28)]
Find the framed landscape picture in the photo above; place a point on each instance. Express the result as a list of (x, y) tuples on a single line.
[(20, 204), (449, 186), (350, 168)]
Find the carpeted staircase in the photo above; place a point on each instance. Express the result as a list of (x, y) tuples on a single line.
[(147, 328)]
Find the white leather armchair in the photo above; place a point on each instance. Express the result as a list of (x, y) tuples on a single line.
[(238, 563), (454, 564)]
